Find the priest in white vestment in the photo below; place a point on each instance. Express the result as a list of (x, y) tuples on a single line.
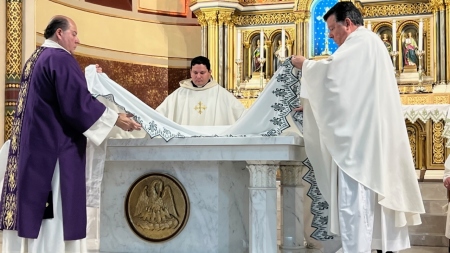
[(201, 101), (355, 136)]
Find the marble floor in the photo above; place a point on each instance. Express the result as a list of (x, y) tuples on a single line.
[(93, 248), (426, 250), (416, 249), (92, 244)]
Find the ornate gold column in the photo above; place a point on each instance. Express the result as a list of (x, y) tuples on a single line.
[(438, 6), (204, 26), (226, 47), (221, 39), (434, 5), (302, 14), (13, 60), (302, 32), (447, 39), (213, 40)]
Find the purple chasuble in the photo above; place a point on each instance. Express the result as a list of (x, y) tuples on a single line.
[(53, 110)]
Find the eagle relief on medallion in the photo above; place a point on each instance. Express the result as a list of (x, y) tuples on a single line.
[(157, 207)]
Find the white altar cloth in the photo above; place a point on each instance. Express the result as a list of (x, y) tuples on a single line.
[(270, 115), (234, 167)]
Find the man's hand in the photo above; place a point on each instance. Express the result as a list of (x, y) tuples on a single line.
[(447, 183), (126, 123), (98, 68), (299, 109), (297, 61)]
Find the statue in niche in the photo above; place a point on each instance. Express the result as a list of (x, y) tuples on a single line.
[(387, 42), (155, 208), (256, 56), (277, 54), (409, 51)]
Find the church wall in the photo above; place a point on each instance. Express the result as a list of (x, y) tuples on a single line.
[(150, 84), (147, 54)]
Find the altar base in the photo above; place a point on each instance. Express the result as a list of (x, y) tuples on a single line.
[(230, 182)]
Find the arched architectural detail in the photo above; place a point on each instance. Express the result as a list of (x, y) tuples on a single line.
[(275, 33), (303, 5), (377, 26), (403, 24)]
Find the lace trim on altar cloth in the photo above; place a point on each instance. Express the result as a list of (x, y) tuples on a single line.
[(319, 207), (434, 112), (152, 128)]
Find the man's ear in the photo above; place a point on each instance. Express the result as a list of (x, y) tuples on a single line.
[(58, 32), (348, 22)]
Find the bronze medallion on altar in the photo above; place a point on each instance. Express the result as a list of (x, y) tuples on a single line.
[(157, 207)]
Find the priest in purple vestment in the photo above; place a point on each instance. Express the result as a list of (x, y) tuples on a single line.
[(54, 115)]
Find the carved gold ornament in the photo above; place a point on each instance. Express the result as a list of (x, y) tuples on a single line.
[(396, 9), (264, 18), (157, 207)]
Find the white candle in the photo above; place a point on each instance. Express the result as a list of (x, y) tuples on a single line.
[(394, 35), (239, 45), (261, 41), (421, 34), (369, 25), (283, 42)]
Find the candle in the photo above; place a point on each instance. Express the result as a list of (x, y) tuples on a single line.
[(261, 41), (394, 35), (239, 45), (283, 42), (369, 26), (421, 34)]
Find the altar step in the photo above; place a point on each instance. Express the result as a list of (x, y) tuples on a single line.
[(432, 230)]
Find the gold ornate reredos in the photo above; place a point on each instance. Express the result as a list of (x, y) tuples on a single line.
[(157, 207), (225, 17), (248, 35), (271, 18), (302, 5), (437, 4), (269, 34), (395, 9)]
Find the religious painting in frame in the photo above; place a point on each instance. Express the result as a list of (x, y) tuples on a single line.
[(277, 54), (256, 54), (385, 34), (408, 47)]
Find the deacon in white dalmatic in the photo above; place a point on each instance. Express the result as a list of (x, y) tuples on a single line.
[(356, 139)]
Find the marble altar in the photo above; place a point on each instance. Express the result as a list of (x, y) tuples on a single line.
[(231, 184)]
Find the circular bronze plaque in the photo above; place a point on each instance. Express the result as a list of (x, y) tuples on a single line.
[(157, 207)]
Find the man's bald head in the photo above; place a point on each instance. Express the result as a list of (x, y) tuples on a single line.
[(63, 31), (56, 22)]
